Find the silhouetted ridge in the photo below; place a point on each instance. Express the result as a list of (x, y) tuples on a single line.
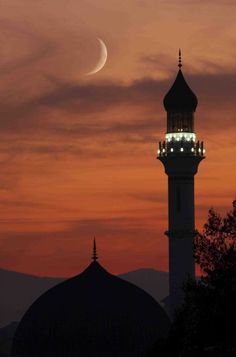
[(92, 314)]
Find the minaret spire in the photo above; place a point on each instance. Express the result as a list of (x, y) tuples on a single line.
[(94, 256), (180, 59)]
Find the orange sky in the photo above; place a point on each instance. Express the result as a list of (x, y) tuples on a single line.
[(78, 152)]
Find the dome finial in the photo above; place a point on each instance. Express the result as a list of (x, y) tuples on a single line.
[(180, 59), (94, 256)]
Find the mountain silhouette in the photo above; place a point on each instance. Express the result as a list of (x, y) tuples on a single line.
[(18, 290), (154, 282)]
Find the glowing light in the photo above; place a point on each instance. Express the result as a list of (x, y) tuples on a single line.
[(204, 151), (181, 149), (158, 151), (181, 136), (192, 149), (171, 149), (163, 150)]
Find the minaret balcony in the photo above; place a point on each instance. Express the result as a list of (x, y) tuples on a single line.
[(181, 147)]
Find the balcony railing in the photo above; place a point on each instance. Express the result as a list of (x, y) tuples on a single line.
[(181, 148)]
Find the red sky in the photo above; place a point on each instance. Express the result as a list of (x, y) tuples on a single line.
[(78, 152)]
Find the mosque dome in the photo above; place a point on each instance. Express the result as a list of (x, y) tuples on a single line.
[(94, 314), (180, 97)]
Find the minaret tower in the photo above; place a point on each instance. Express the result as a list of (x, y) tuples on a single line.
[(180, 154)]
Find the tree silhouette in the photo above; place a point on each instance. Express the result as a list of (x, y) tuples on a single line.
[(215, 248), (205, 325)]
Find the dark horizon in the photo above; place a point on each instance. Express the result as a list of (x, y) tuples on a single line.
[(78, 152)]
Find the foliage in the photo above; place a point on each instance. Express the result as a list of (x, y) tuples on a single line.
[(205, 325), (215, 248)]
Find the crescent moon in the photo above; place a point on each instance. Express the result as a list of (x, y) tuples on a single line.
[(102, 59)]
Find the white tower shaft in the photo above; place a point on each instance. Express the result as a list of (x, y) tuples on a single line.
[(180, 154), (181, 227)]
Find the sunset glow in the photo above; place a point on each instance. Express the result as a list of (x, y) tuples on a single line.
[(78, 153)]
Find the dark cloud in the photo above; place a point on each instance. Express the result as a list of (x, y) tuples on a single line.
[(24, 204), (95, 98), (71, 228), (86, 111), (213, 90)]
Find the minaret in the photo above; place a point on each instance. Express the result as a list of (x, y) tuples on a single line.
[(180, 154)]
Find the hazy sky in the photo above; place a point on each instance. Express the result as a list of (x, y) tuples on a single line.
[(78, 152)]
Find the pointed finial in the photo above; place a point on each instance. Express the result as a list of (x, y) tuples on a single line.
[(94, 256), (180, 59)]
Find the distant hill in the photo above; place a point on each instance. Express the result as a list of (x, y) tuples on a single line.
[(154, 282), (18, 291)]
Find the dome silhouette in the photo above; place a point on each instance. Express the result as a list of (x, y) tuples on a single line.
[(94, 314), (180, 97)]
